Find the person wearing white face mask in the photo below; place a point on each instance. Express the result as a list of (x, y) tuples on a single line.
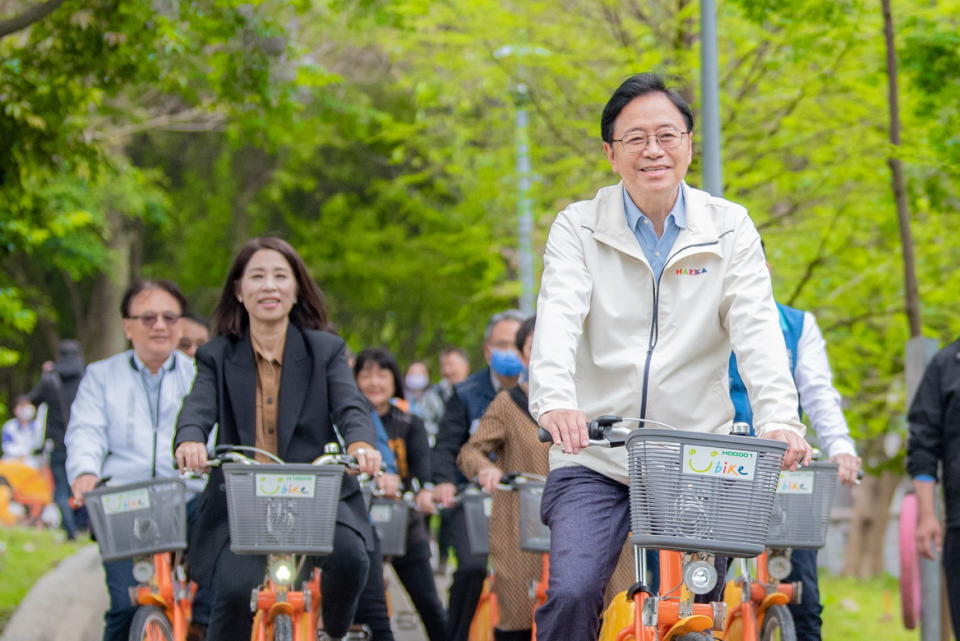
[(23, 435), (461, 418), (415, 384)]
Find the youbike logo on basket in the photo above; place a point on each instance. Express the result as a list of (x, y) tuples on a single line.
[(297, 486), (796, 483), (712, 461), (129, 501)]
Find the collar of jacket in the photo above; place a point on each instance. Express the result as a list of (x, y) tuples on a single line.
[(610, 224), (294, 382)]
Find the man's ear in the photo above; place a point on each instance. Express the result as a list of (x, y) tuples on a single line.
[(608, 150)]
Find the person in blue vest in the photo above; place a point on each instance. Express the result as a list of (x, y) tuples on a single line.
[(461, 419), (821, 402)]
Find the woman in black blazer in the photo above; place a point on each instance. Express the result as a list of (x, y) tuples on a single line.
[(274, 379)]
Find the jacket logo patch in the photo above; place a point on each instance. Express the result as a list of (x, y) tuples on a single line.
[(691, 271)]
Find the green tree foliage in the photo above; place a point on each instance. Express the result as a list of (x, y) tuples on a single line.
[(378, 137)]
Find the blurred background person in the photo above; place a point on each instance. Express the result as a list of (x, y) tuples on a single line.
[(195, 333), (23, 434), (378, 377), (415, 384), (461, 417), (56, 389), (506, 442)]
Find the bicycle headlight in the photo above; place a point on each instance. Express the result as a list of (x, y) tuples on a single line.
[(143, 570), (283, 572), (700, 577), (779, 567)]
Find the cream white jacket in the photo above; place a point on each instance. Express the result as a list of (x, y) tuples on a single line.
[(610, 339)]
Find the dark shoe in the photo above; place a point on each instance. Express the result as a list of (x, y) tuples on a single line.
[(196, 632)]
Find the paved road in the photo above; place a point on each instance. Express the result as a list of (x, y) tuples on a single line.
[(67, 604)]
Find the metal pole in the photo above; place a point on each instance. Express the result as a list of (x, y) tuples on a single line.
[(920, 351), (710, 109), (524, 203)]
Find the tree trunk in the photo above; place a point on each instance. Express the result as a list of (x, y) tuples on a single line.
[(103, 327), (898, 183), (869, 518)]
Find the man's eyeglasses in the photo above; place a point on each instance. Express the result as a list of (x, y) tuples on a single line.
[(150, 319), (636, 142), (186, 343)]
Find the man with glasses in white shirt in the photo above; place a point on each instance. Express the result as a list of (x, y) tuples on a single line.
[(123, 418)]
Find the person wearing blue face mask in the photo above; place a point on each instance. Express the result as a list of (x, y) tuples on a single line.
[(461, 418)]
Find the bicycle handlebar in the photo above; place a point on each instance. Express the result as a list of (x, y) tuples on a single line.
[(604, 431)]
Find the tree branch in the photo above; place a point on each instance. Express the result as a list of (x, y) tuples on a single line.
[(34, 14)]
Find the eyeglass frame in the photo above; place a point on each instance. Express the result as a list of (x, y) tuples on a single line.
[(656, 135), (166, 316)]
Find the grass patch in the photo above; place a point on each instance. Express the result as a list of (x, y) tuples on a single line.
[(867, 609), (26, 555)]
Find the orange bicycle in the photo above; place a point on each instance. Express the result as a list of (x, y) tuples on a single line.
[(692, 496), (757, 600), (287, 512), (147, 522)]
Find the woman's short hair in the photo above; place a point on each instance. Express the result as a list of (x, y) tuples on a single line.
[(382, 357), (230, 317)]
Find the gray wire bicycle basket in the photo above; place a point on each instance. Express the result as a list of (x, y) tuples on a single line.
[(390, 517), (477, 506), (534, 535), (282, 509), (801, 508), (138, 519), (693, 491)]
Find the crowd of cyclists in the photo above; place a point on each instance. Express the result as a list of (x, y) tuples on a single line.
[(647, 291)]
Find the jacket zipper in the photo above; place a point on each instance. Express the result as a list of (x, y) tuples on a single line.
[(655, 323)]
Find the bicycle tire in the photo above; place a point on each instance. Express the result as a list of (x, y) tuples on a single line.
[(282, 628), (909, 563), (778, 618), (150, 624)]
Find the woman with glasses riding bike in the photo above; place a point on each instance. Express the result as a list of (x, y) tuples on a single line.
[(274, 379)]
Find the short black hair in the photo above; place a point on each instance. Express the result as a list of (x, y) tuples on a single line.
[(634, 87), (198, 319), (524, 332), (142, 285), (382, 357)]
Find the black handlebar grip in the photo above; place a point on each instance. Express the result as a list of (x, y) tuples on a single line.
[(544, 436)]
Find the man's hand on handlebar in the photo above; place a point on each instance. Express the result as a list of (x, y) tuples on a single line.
[(368, 457), (81, 485), (848, 468), (191, 456), (798, 450), (568, 429)]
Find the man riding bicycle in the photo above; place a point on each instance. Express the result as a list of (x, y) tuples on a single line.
[(646, 288)]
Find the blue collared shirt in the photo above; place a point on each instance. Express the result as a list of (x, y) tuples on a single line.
[(152, 383), (657, 250)]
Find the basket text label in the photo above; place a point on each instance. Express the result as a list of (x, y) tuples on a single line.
[(126, 501), (298, 486), (796, 483), (715, 461)]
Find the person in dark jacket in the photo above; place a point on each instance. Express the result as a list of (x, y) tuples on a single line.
[(934, 439), (378, 377), (57, 388), (275, 380), (461, 418)]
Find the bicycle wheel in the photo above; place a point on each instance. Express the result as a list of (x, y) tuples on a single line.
[(150, 624), (777, 625), (282, 628)]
